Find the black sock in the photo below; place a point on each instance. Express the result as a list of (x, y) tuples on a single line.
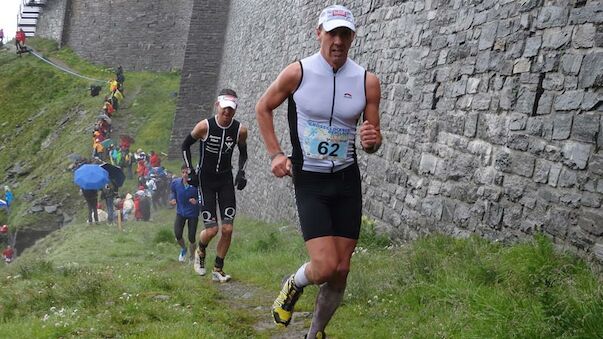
[(219, 262), (202, 246)]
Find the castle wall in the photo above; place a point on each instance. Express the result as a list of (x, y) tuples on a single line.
[(491, 113), (138, 34)]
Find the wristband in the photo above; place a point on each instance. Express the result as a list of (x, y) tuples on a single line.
[(273, 156)]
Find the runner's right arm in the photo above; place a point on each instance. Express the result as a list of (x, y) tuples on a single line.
[(199, 132), (284, 85)]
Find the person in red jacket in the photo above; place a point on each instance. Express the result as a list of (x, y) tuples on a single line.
[(20, 40), (155, 160), (8, 254)]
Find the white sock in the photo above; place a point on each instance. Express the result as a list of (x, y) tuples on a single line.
[(300, 278)]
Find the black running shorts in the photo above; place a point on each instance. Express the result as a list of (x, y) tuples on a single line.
[(220, 189), (329, 204)]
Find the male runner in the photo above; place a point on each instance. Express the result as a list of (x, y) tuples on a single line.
[(218, 137), (327, 94)]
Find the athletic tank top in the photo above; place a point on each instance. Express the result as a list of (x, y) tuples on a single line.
[(323, 114), (217, 147)]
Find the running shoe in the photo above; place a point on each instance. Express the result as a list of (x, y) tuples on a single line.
[(199, 262), (182, 256), (282, 309), (219, 275), (319, 335)]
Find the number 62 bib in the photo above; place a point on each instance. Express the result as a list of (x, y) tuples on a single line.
[(325, 142)]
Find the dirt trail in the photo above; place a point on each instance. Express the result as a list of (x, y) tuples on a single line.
[(256, 301)]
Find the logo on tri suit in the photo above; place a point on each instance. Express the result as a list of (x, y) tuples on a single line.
[(229, 143)]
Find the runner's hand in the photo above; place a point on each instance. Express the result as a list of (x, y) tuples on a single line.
[(193, 178), (240, 181), (369, 136), (281, 166)]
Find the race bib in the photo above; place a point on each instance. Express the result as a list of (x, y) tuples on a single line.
[(325, 142)]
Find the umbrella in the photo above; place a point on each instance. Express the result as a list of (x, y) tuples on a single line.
[(116, 175), (107, 142), (104, 117), (91, 177)]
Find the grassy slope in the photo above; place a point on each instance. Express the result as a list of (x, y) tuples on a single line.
[(35, 100), (92, 281)]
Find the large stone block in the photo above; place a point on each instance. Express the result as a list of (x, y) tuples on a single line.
[(558, 222), (553, 81), (552, 16), (584, 36), (591, 220), (525, 100), (569, 100), (567, 178), (570, 63), (428, 163), (596, 165), (519, 142), (562, 126), (575, 155), (585, 128), (487, 35), (591, 72), (556, 38), (532, 46)]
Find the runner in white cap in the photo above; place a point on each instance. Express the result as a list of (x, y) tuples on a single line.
[(328, 95), (213, 176)]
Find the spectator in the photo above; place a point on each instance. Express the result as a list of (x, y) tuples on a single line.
[(128, 206), (119, 76), (116, 155), (1, 37), (98, 150), (8, 197), (155, 160), (8, 254), (91, 197), (20, 41), (126, 161), (108, 194), (108, 107)]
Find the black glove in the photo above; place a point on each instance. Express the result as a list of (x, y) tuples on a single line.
[(193, 178), (240, 181)]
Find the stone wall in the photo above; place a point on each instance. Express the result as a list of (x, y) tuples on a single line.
[(138, 34), (51, 23), (200, 71), (491, 113)]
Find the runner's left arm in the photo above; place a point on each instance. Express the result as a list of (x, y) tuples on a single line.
[(240, 180), (370, 130)]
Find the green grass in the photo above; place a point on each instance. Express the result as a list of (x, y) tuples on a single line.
[(94, 281)]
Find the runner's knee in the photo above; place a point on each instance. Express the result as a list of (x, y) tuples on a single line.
[(211, 231), (226, 230), (324, 269)]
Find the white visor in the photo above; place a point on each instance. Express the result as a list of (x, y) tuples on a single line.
[(228, 101)]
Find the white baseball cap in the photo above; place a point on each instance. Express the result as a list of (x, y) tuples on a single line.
[(228, 101), (336, 16)]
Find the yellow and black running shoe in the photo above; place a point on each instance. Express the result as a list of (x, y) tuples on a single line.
[(282, 309)]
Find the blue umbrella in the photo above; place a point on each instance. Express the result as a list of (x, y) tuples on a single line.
[(91, 177)]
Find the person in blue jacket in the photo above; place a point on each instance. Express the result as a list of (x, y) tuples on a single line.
[(8, 197), (185, 198)]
